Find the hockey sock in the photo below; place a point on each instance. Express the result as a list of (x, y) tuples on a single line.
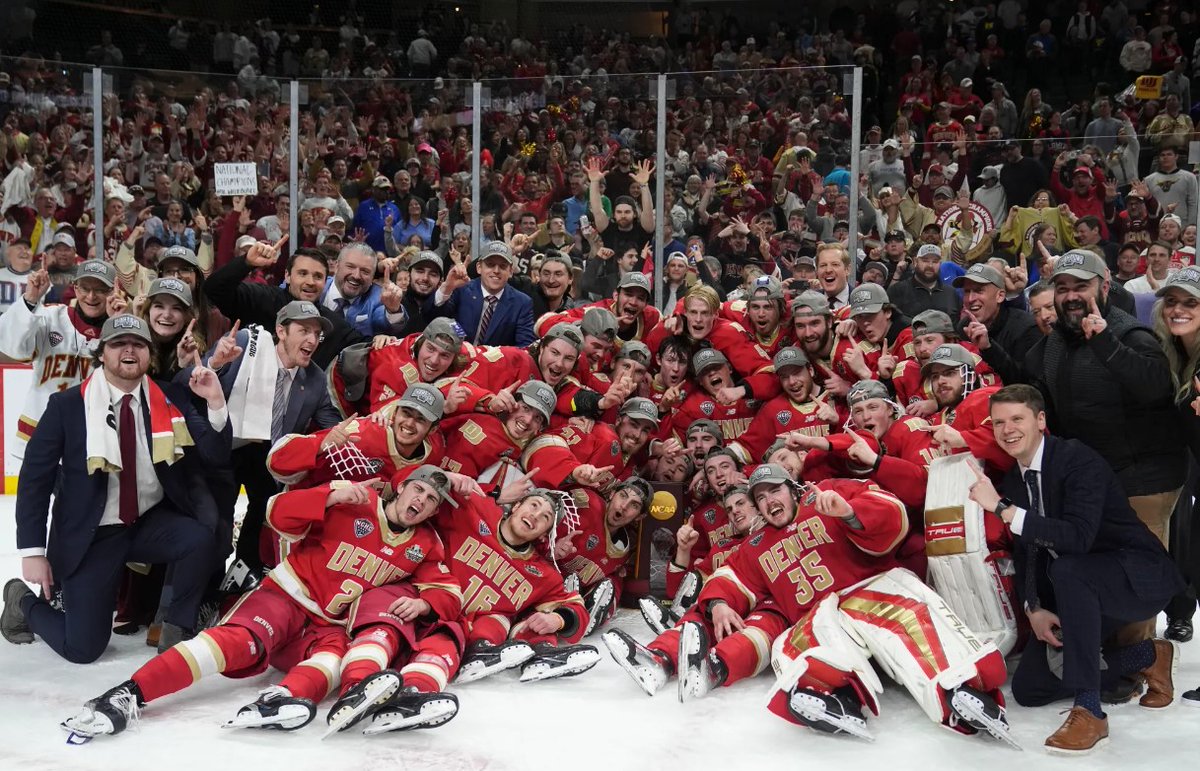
[(220, 649), (744, 654), (1133, 658), (369, 653), (1089, 699), (433, 663), (317, 675)]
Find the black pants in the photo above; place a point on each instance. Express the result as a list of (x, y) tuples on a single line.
[(250, 471), (162, 535), (1185, 547), (1093, 598)]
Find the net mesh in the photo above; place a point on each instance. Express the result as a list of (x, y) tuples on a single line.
[(347, 462)]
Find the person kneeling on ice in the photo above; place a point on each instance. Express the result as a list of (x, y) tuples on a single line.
[(516, 610), (295, 620)]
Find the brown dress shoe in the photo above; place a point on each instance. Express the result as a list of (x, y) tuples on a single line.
[(1160, 676), (1079, 734)]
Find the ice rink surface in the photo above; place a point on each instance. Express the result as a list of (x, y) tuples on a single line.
[(599, 720)]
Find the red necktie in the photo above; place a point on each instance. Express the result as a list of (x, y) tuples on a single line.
[(127, 481)]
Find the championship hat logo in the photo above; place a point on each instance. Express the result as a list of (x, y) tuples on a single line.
[(1068, 261), (172, 284), (708, 408), (1191, 275), (861, 296), (414, 553), (127, 322), (422, 395)]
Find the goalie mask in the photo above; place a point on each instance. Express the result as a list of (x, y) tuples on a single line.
[(952, 355)]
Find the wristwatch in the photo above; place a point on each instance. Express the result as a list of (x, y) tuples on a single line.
[(1004, 503)]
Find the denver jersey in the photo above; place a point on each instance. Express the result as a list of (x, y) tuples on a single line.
[(557, 453), (599, 553), (779, 416)]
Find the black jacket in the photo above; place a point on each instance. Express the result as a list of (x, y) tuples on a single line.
[(1011, 335), (912, 298)]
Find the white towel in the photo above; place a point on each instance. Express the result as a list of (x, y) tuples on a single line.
[(253, 393)]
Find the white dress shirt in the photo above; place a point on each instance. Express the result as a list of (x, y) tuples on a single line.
[(150, 490)]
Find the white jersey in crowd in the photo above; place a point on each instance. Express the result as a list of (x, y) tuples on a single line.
[(58, 344), (12, 286)]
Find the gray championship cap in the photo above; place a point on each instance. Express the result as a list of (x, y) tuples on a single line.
[(540, 396), (735, 490), (426, 256), (1080, 263), (445, 334), (179, 253), (707, 357), (811, 303), (435, 478), (769, 474), (635, 350), (425, 399), (706, 426), (930, 250), (765, 288), (948, 355), (865, 390), (1186, 280), (564, 331), (123, 326), (981, 273), (173, 287), (599, 322), (868, 298), (634, 280), (497, 249), (791, 356), (100, 270), (933, 322), (302, 310), (639, 408)]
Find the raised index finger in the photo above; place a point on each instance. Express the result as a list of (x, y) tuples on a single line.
[(237, 323), (281, 242), (190, 327)]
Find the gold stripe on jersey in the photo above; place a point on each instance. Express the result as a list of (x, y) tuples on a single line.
[(901, 515), (727, 573)]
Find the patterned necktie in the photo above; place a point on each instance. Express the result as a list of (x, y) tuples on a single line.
[(339, 305), (489, 307), (279, 404), (127, 498), (1031, 550)]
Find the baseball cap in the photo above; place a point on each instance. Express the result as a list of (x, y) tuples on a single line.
[(943, 192), (497, 248), (564, 331), (895, 235), (811, 303), (706, 358), (966, 83), (1187, 280), (878, 265), (99, 270), (336, 218), (636, 350), (445, 334), (1082, 170), (791, 356), (891, 143), (949, 355), (136, 190), (930, 250), (245, 242), (936, 168), (173, 287), (124, 325), (430, 257), (538, 395), (425, 399), (599, 322), (867, 298), (677, 257), (381, 181), (706, 426), (302, 310), (432, 476), (981, 273), (179, 252), (769, 474), (865, 390), (424, 147), (932, 322), (990, 172), (766, 287), (63, 238), (1080, 263), (639, 408), (634, 280)]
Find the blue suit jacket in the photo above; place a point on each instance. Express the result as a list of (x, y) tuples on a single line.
[(1087, 512), (366, 313), (512, 321), (61, 437)]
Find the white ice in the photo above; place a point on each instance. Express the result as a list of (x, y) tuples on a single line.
[(597, 720)]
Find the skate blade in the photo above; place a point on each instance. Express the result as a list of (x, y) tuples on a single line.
[(969, 708), (432, 714), (601, 600), (814, 711), (576, 664), (290, 718), (687, 590), (651, 614), (378, 691), (512, 657), (621, 652), (692, 682)]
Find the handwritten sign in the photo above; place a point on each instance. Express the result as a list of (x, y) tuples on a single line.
[(235, 178)]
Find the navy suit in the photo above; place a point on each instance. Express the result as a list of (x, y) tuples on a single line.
[(512, 321), (1110, 569), (87, 560)]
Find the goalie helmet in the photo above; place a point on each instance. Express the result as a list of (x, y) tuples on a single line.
[(951, 355)]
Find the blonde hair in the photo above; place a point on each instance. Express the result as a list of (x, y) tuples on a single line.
[(834, 247), (1183, 362), (705, 294)]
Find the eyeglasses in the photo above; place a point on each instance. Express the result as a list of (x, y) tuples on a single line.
[(176, 272)]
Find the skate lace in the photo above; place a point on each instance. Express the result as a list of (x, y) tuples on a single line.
[(272, 692), (127, 703)]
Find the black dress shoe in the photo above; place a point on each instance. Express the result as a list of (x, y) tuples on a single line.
[(1179, 630), (1125, 690)]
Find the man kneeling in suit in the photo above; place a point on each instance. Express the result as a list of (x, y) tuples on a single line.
[(1086, 565), (124, 443)]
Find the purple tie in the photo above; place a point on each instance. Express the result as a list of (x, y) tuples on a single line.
[(127, 480), (489, 307)]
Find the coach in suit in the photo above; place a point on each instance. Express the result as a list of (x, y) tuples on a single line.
[(121, 495), (491, 311), (274, 388), (1085, 565), (352, 293)]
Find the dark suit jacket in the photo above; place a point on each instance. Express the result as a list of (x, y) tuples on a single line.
[(258, 304), (1087, 512), (79, 504), (512, 321), (308, 402)]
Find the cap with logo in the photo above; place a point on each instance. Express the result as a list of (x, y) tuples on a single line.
[(896, 235), (179, 252), (65, 239), (933, 322), (173, 287), (706, 426), (868, 298), (677, 257), (245, 242), (336, 219), (425, 399), (930, 250), (1186, 280), (639, 408), (1080, 263), (707, 357), (445, 334), (381, 181), (766, 288), (430, 257), (811, 303), (302, 310), (981, 273), (865, 390), (634, 280), (634, 350), (791, 356), (599, 322), (948, 355), (538, 395), (891, 144), (100, 270), (566, 332), (122, 326), (769, 474), (428, 475), (497, 249)]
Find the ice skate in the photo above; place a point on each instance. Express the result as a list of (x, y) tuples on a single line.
[(686, 595), (979, 710), (699, 672), (484, 659), (829, 712), (571, 583), (410, 709), (276, 709), (599, 603), (550, 661), (109, 713), (658, 618), (369, 693), (647, 668)]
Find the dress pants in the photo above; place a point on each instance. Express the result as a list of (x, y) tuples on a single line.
[(250, 471), (1155, 511)]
